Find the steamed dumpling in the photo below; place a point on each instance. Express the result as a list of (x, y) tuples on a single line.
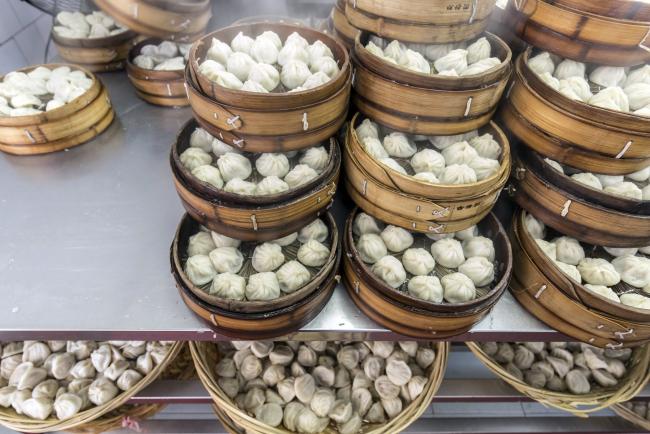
[(458, 174), (271, 185), (625, 189), (479, 269), (265, 74), (292, 276), (588, 179), (265, 49), (542, 63), (398, 145), (479, 246), (299, 175), (426, 287), (569, 68), (267, 257), (199, 269), (269, 164), (598, 271), (486, 146), (458, 288), (294, 74), (226, 259), (316, 230), (428, 160), (448, 252), (316, 158), (229, 286), (418, 261), (371, 248), (396, 239), (262, 286), (367, 128), (569, 250), (366, 224), (608, 76), (233, 165), (192, 158), (313, 254), (478, 50), (455, 59), (634, 270), (612, 98), (390, 270)]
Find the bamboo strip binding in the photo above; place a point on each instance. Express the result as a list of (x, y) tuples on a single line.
[(96, 54), (206, 356), (631, 416)]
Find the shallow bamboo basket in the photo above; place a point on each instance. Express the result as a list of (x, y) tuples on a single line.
[(256, 319), (411, 316), (70, 125), (254, 218), (421, 21), (182, 21), (541, 297), (10, 419), (633, 10), (586, 217), (425, 104), (96, 54), (164, 88), (341, 27), (580, 35), (631, 416), (579, 405), (206, 356)]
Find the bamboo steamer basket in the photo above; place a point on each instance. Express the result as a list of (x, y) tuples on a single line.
[(70, 125), (540, 295), (164, 88), (206, 356), (586, 218), (409, 203), (420, 21), (96, 54), (632, 10), (579, 405), (12, 420), (269, 122), (630, 416), (410, 316), (257, 218), (426, 104), (176, 21), (579, 35), (342, 28), (253, 319)]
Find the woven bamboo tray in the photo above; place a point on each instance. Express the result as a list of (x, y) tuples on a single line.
[(10, 419), (420, 21), (578, 405), (260, 218), (176, 21), (631, 416), (340, 25), (206, 357), (410, 316), (579, 35), (70, 125), (164, 88), (96, 54)]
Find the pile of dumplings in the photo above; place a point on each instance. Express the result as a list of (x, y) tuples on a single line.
[(235, 173), (454, 60), (216, 263), (461, 159), (620, 89), (261, 64), (629, 268), (41, 89), (632, 186), (465, 259), (166, 56), (569, 367), (640, 408), (306, 386), (76, 25), (62, 378)]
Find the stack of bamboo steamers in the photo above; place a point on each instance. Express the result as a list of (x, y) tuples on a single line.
[(421, 105), (583, 167), (241, 130)]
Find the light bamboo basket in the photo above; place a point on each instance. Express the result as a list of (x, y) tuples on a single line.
[(633, 10), (420, 21), (340, 25), (631, 416), (96, 54), (163, 88), (206, 356), (578, 405), (12, 420), (65, 127), (179, 21)]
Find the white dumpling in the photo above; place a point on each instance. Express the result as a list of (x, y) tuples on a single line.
[(549, 249), (390, 270), (455, 59), (418, 261), (227, 80), (399, 145), (603, 291), (240, 64), (200, 138), (173, 64), (252, 86), (371, 248), (428, 160), (294, 74), (625, 189), (458, 288), (325, 65), (479, 269), (263, 286), (458, 174), (375, 49), (226, 259), (478, 50), (427, 177), (481, 66), (271, 185), (448, 252), (484, 167), (301, 174), (598, 271), (634, 270), (37, 408), (265, 74), (434, 52), (568, 250), (313, 253), (219, 51), (607, 180), (292, 276), (640, 175), (192, 158), (443, 142), (459, 153), (242, 43), (209, 68), (367, 128), (316, 158), (229, 286), (536, 228), (479, 246), (569, 270), (645, 192), (588, 179), (553, 82), (293, 52), (374, 148), (569, 68), (316, 230), (416, 62), (101, 391), (128, 379), (608, 76), (67, 405), (466, 234), (542, 63), (621, 251), (365, 224), (199, 270), (269, 164), (576, 88), (233, 165), (396, 51), (241, 187), (486, 146), (396, 239), (635, 300), (554, 165), (144, 62), (200, 244), (208, 174), (638, 95), (426, 287), (612, 98), (224, 241), (267, 257), (317, 50), (265, 49), (392, 164)]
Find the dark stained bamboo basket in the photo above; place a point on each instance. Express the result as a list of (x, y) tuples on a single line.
[(340, 25), (96, 54), (575, 210), (410, 316), (250, 319), (416, 205), (426, 104), (163, 88), (579, 35), (421, 21), (254, 218), (65, 127), (269, 122), (541, 296), (180, 21), (572, 132)]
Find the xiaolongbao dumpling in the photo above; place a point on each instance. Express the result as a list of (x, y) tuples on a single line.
[(299, 175), (635, 300), (481, 66), (640, 175), (427, 177), (478, 50), (555, 165), (192, 158), (459, 153), (569, 250), (426, 287), (292, 276), (224, 241), (393, 165), (486, 146), (265, 74), (448, 252), (466, 234), (292, 52), (371, 248), (479, 269), (375, 49), (67, 405), (219, 51), (316, 230), (547, 78), (317, 50), (229, 286), (200, 138), (397, 52), (569, 270), (199, 269), (645, 193), (367, 128), (396, 238), (200, 244), (549, 249), (269, 164), (577, 86), (455, 59), (598, 271), (390, 270), (252, 86), (428, 160), (267, 257), (612, 98), (484, 167), (569, 68), (443, 142), (418, 261), (588, 179), (365, 224), (233, 165), (313, 254), (242, 43), (458, 288), (209, 68), (625, 189), (634, 270), (542, 63), (316, 158), (226, 259), (608, 76), (479, 246), (458, 174), (209, 175), (621, 251), (398, 145), (294, 74), (239, 186), (101, 391), (604, 291), (374, 148), (638, 95), (265, 50), (416, 62), (263, 286), (271, 185)]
